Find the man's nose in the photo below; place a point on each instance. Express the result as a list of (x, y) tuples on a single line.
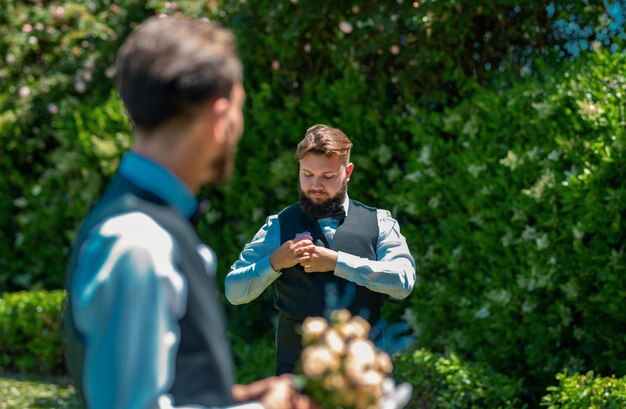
[(317, 183)]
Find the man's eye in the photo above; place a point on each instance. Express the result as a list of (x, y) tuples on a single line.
[(329, 176)]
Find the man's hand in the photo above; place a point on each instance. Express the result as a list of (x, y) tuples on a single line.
[(318, 259), (273, 393), (288, 255)]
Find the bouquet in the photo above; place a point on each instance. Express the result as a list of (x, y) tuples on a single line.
[(341, 368)]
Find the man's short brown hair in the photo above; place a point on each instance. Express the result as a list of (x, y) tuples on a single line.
[(324, 140), (170, 65)]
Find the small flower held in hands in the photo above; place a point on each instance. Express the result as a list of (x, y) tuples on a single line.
[(305, 235)]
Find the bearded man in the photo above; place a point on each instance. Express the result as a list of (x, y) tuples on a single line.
[(323, 245)]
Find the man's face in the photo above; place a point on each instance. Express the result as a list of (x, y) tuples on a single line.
[(322, 177)]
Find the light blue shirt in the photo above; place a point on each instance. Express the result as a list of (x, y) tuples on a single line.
[(392, 273), (128, 297)]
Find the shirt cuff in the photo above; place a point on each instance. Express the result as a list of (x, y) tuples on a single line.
[(265, 269), (346, 265)]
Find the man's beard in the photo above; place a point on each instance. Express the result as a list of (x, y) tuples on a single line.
[(223, 166), (327, 207)]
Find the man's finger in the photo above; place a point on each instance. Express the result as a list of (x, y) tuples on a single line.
[(252, 391), (308, 249), (303, 402)]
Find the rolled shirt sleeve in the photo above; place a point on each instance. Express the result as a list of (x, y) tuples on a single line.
[(393, 272), (252, 273)]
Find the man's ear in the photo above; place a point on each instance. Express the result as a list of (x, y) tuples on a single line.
[(349, 169), (218, 109)]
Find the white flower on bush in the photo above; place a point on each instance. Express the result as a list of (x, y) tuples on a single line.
[(511, 160), (345, 27), (110, 72), (80, 86), (24, 92)]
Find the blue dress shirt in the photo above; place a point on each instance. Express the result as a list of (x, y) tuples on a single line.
[(129, 310), (392, 273)]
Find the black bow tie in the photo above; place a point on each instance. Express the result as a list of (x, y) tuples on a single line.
[(339, 215)]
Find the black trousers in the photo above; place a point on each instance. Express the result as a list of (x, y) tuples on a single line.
[(288, 345), (284, 367)]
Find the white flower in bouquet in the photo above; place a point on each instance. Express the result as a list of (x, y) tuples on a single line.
[(334, 342), (340, 316), (313, 328), (362, 351), (342, 369), (357, 327), (383, 361), (317, 360)]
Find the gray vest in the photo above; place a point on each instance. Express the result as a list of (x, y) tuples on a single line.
[(203, 368), (299, 295)]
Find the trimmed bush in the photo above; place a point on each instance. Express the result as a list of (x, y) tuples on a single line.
[(444, 381), (586, 391), (31, 339)]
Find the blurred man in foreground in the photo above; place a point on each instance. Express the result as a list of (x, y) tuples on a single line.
[(144, 324)]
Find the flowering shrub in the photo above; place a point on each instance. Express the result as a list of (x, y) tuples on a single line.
[(503, 167), (513, 202), (583, 391), (341, 368)]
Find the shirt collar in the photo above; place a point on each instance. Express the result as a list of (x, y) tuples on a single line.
[(346, 204), (160, 181)]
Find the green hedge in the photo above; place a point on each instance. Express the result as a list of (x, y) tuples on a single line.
[(31, 338), (31, 342), (586, 391), (444, 381)]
